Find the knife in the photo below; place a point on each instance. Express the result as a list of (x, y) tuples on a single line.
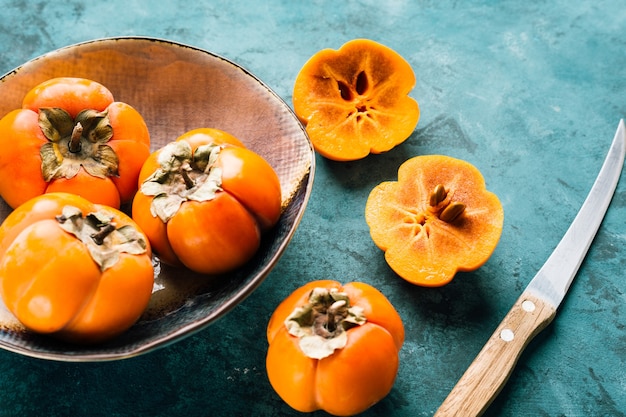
[(538, 304)]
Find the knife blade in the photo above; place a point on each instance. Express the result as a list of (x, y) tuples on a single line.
[(537, 306)]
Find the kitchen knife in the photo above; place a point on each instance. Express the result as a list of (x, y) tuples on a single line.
[(537, 305)]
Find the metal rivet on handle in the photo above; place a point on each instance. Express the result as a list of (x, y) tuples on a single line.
[(507, 335), (528, 306)]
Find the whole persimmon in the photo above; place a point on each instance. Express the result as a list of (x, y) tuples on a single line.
[(334, 347), (437, 219), (72, 136), (355, 100), (73, 269), (204, 201)]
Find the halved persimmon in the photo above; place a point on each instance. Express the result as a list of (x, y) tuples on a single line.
[(354, 101), (437, 219)]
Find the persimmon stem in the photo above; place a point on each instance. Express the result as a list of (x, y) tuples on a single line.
[(104, 231), (337, 307), (189, 183), (74, 144), (330, 321), (326, 319)]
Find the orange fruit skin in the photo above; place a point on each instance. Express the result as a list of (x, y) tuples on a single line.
[(52, 285), (218, 235), (21, 138), (353, 378)]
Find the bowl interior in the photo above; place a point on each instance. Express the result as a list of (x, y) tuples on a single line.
[(176, 88)]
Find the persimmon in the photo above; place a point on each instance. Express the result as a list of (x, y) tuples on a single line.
[(354, 101), (334, 347), (71, 136), (437, 219), (204, 201), (73, 269)]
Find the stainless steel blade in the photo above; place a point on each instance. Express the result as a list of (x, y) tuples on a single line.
[(538, 304), (556, 275)]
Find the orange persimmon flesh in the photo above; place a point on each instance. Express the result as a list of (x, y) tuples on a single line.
[(436, 220), (354, 101)]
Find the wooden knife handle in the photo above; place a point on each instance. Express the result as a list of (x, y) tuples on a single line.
[(488, 373)]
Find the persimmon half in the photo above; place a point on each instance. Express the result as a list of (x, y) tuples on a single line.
[(354, 101), (204, 201), (437, 219), (72, 136), (334, 347)]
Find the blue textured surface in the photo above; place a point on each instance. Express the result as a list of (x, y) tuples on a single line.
[(529, 92)]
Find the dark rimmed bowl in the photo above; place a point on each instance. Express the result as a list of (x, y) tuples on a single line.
[(176, 88)]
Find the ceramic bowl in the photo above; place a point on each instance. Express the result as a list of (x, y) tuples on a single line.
[(176, 88)]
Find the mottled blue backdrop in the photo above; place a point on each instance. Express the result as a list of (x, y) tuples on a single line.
[(530, 92)]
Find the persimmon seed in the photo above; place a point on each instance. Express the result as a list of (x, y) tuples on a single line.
[(452, 212), (345, 91), (362, 83), (438, 195)]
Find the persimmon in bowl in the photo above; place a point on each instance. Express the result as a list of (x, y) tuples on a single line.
[(176, 88)]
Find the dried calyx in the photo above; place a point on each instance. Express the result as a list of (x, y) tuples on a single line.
[(75, 143), (183, 175), (104, 240), (322, 324)]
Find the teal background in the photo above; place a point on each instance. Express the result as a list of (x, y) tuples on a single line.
[(529, 92)]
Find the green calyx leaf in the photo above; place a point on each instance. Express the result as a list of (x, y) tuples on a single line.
[(182, 176), (322, 324), (76, 143), (99, 233)]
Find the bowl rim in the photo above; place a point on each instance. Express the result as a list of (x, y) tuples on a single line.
[(243, 292)]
